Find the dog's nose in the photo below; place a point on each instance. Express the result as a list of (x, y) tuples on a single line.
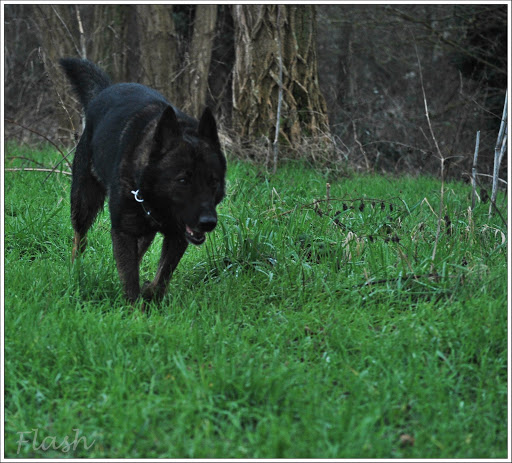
[(207, 223)]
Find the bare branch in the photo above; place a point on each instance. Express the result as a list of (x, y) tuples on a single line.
[(473, 170), (280, 93), (83, 55), (26, 159), (67, 29), (37, 169), (64, 156), (441, 158), (440, 36), (490, 176), (499, 149)]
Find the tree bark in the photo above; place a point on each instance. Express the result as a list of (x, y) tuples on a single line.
[(156, 48), (200, 58), (256, 73)]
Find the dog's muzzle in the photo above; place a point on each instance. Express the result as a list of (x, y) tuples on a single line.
[(197, 236), (194, 236)]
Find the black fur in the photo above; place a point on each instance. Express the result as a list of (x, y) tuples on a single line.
[(86, 78), (163, 171)]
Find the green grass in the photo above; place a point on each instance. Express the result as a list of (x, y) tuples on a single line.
[(293, 332)]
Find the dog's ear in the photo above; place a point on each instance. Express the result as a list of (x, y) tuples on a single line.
[(167, 130), (208, 128)]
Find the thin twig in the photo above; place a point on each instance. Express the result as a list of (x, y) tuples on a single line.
[(499, 149), (405, 278), (280, 93), (67, 29), (441, 37), (494, 204), (37, 169), (425, 200), (441, 158), (65, 158), (478, 174), (360, 146), (10, 158), (83, 55), (330, 200), (42, 57), (38, 133), (473, 170)]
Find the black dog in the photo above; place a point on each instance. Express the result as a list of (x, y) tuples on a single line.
[(162, 170)]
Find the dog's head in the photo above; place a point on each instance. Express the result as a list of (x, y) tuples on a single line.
[(184, 179)]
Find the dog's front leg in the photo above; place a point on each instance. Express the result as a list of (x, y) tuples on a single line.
[(143, 244), (173, 248), (125, 254)]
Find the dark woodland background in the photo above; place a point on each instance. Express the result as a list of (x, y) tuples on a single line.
[(351, 76)]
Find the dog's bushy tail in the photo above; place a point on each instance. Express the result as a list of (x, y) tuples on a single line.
[(86, 78)]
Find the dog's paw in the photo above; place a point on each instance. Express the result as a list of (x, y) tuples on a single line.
[(148, 291)]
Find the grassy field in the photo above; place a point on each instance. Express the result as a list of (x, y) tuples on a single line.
[(296, 331)]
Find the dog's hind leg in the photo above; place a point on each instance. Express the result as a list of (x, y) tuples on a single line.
[(87, 198), (79, 245), (173, 248)]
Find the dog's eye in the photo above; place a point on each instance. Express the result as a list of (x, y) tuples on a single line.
[(183, 180)]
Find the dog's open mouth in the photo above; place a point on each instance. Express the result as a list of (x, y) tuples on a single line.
[(194, 237)]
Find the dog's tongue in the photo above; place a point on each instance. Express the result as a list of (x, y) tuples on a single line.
[(189, 230)]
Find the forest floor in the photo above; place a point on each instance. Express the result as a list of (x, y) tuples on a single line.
[(302, 328)]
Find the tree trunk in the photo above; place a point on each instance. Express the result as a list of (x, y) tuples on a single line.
[(200, 58), (156, 50), (220, 79), (256, 73)]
